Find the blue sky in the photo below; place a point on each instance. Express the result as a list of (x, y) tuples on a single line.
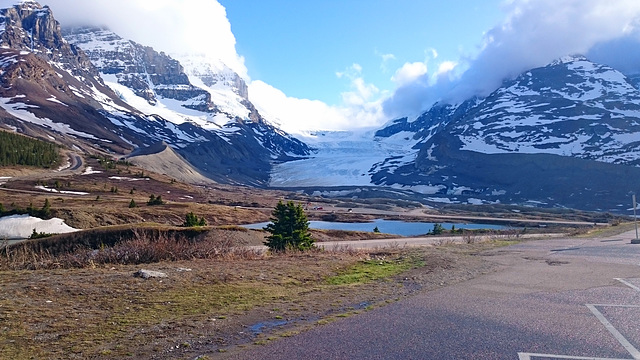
[(299, 46)]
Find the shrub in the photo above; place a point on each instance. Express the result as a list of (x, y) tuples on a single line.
[(39, 235)]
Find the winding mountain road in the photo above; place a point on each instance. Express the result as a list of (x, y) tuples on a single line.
[(562, 298)]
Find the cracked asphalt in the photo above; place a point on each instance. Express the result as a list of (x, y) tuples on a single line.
[(550, 299)]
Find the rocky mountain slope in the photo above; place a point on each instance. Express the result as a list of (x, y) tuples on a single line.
[(120, 95), (567, 134)]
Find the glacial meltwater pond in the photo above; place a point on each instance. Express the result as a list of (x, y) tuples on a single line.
[(403, 228)]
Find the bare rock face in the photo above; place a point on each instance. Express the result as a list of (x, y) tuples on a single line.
[(31, 27), (147, 72)]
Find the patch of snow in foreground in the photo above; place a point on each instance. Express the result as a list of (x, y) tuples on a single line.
[(21, 226)]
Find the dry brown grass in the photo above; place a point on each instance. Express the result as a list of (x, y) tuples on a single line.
[(205, 305), (128, 245)]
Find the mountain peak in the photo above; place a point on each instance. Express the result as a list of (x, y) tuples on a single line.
[(25, 4), (569, 59)]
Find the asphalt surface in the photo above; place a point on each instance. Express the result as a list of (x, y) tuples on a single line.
[(550, 299), (419, 241)]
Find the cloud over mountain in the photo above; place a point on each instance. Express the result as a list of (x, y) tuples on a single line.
[(533, 34), (176, 27)]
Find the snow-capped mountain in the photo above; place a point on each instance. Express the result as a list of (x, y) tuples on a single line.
[(563, 135), (147, 73), (119, 95), (567, 134), (572, 107)]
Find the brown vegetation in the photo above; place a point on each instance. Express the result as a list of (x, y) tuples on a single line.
[(207, 306)]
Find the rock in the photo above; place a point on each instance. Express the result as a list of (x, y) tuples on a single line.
[(147, 274)]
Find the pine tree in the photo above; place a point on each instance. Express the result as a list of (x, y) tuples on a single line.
[(45, 212), (132, 204), (289, 228), (153, 200), (437, 229), (192, 220)]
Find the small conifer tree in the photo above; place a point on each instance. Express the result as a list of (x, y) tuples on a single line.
[(192, 220), (289, 228)]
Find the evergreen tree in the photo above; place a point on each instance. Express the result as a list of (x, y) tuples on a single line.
[(132, 204), (45, 212), (289, 228), (192, 220), (437, 229), (376, 230), (20, 150)]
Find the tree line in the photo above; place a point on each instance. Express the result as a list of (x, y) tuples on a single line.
[(20, 150)]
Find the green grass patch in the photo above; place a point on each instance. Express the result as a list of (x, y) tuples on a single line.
[(375, 269)]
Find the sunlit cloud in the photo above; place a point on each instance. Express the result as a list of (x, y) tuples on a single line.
[(409, 72), (533, 34), (298, 115), (175, 27)]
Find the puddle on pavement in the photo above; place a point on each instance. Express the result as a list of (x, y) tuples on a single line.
[(260, 327)]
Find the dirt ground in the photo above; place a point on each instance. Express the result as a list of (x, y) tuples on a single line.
[(205, 307)]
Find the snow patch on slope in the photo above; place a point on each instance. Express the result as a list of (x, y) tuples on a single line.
[(21, 226)]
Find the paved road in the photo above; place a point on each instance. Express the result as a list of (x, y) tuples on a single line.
[(423, 241), (551, 299), (74, 166)]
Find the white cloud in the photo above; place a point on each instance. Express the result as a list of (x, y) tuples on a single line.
[(361, 106), (446, 67), (296, 115), (409, 72), (534, 33), (175, 27), (386, 59)]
